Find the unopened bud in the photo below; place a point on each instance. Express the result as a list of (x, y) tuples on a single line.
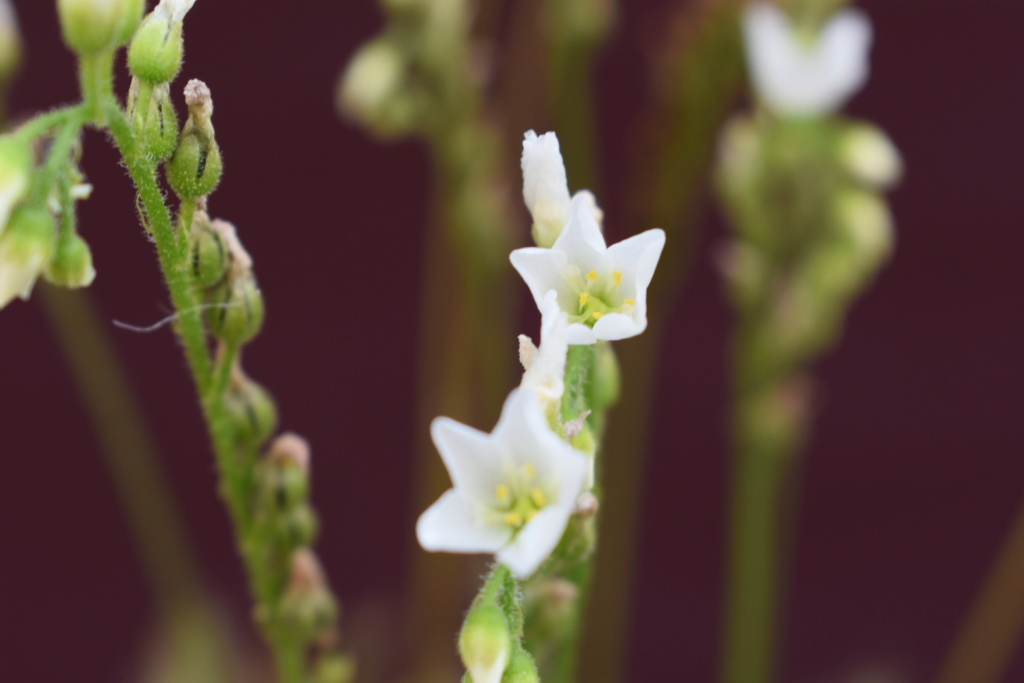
[(870, 156), (521, 668), (485, 644), (290, 449), (15, 175), (307, 604), (335, 668), (25, 248), (251, 411), (208, 252), (10, 42), (196, 166), (157, 48), (236, 313), (71, 266), (134, 9), (159, 133), (92, 26), (297, 527), (865, 219), (371, 89)]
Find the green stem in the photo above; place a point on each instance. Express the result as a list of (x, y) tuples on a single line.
[(94, 73), (489, 592), (189, 325), (59, 157), (44, 123), (186, 212)]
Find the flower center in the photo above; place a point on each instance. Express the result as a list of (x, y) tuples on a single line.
[(595, 296), (519, 497)]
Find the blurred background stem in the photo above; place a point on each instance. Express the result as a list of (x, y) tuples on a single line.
[(698, 74), (989, 638), (131, 459)]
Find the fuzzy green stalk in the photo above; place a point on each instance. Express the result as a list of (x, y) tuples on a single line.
[(173, 259)]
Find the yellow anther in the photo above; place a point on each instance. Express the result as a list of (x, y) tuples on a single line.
[(592, 275), (618, 278), (584, 297), (529, 470), (503, 493), (513, 519), (630, 302), (597, 315), (538, 498)]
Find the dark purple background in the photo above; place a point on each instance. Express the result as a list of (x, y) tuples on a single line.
[(914, 472)]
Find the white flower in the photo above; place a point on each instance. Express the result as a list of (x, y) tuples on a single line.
[(174, 10), (603, 290), (545, 367), (803, 75), (514, 488), (546, 189)]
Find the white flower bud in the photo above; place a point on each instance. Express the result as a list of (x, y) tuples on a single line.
[(545, 187), (485, 644), (370, 89), (25, 249), (870, 156)]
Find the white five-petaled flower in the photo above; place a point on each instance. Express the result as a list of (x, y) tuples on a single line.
[(603, 290), (545, 366), (801, 75), (513, 489), (545, 187)]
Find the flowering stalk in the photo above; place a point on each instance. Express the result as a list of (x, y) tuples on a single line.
[(803, 190)]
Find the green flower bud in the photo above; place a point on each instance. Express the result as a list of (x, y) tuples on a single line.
[(335, 668), (92, 26), (865, 220), (196, 166), (282, 486), (521, 668), (10, 42), (25, 248), (72, 263), (134, 9), (159, 134), (485, 643), (208, 253), (307, 605), (870, 156), (251, 411), (237, 313), (296, 528), (15, 175), (157, 49), (372, 89)]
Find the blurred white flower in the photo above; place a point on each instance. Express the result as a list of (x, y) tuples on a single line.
[(545, 366), (603, 290), (800, 75), (513, 489)]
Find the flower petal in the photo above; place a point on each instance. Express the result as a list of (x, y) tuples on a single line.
[(453, 524), (581, 239), (616, 326), (473, 459), (581, 335), (541, 269), (535, 541)]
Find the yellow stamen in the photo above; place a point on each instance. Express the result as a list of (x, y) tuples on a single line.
[(538, 498), (592, 275), (584, 297), (513, 519), (529, 470), (503, 493), (597, 316), (630, 302), (618, 278)]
